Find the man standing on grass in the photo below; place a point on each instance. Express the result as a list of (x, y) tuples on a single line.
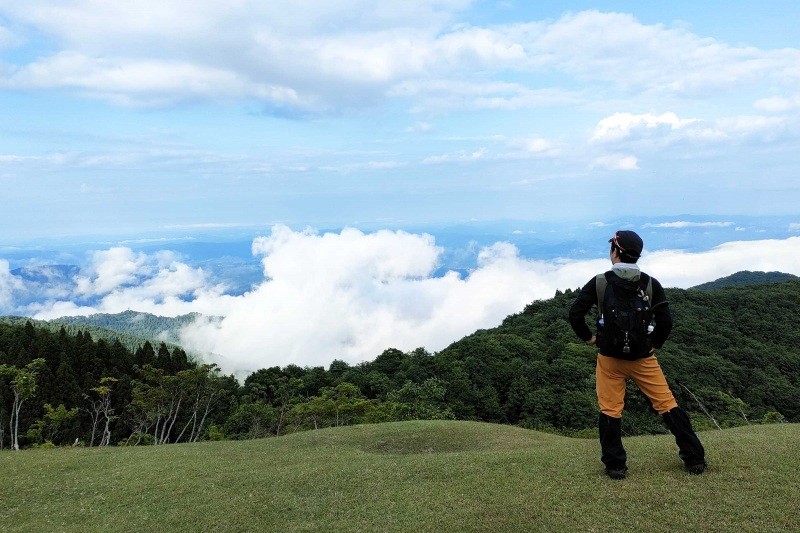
[(633, 322)]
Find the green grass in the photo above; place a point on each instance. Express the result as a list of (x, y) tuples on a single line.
[(411, 476)]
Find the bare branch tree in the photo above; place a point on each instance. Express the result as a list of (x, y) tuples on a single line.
[(703, 407)]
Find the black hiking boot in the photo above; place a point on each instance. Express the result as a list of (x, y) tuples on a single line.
[(690, 450), (613, 453), (696, 469), (617, 473)]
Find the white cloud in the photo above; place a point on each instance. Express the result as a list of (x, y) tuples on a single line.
[(744, 126), (8, 285), (7, 38), (681, 224), (144, 82), (508, 149), (616, 162), (437, 95), (111, 269), (679, 269), (350, 295), (653, 133), (458, 157), (778, 103), (622, 125), (315, 54), (795, 226), (617, 48), (119, 279), (534, 145), (365, 166), (299, 54), (420, 127)]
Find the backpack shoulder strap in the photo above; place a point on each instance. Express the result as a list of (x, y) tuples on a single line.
[(648, 290), (602, 283)]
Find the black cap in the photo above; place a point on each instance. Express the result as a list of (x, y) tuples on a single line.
[(628, 243)]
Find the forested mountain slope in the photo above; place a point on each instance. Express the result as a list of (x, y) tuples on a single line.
[(732, 359)]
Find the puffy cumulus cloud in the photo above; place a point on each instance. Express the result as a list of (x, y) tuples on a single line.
[(352, 295), (111, 269), (623, 125), (648, 132), (119, 279)]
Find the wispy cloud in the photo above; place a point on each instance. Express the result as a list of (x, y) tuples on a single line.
[(616, 162), (682, 224), (459, 157)]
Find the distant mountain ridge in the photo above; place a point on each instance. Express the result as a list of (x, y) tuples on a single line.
[(138, 324), (131, 328), (745, 278), (47, 273)]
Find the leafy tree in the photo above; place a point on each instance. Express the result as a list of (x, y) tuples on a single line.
[(23, 386), (251, 421), (419, 402), (51, 426), (336, 406)]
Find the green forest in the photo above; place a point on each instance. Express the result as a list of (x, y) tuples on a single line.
[(732, 359)]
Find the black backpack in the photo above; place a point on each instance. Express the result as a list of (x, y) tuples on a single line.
[(624, 318)]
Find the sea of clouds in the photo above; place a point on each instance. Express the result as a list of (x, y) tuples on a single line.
[(350, 294)]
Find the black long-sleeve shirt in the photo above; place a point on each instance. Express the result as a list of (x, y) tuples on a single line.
[(587, 298)]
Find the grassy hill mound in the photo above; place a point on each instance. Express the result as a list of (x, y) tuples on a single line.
[(408, 476)]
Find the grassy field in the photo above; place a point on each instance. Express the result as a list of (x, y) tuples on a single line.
[(411, 476)]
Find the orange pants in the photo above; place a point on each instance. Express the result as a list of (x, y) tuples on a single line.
[(612, 375)]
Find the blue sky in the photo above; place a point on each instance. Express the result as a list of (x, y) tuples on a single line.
[(121, 118)]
